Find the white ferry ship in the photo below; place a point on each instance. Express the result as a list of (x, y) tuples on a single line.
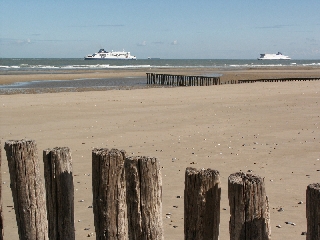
[(277, 56), (104, 55)]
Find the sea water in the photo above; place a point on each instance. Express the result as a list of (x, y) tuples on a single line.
[(39, 64), (60, 65)]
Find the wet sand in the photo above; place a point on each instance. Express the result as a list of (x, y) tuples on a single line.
[(10, 77), (269, 128)]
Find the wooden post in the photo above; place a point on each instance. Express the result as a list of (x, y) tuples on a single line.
[(313, 211), (148, 78), (202, 196), (144, 198), (27, 189), (249, 207), (1, 215), (109, 194), (59, 193)]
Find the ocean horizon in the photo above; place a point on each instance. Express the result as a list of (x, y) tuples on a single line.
[(36, 64)]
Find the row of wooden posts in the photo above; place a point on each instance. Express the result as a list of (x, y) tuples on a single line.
[(279, 80), (183, 80), (127, 198)]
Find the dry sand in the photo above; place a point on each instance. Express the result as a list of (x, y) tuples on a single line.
[(269, 128)]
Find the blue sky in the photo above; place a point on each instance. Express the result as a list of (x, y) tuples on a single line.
[(176, 29)]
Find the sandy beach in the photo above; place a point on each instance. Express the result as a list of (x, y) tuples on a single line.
[(269, 128)]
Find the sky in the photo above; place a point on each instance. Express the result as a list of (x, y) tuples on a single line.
[(175, 29)]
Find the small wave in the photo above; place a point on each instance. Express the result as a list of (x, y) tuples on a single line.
[(85, 66), (129, 66), (312, 64)]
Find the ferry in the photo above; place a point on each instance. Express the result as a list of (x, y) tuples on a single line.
[(277, 56), (104, 55)]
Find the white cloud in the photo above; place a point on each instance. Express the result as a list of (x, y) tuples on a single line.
[(23, 41), (143, 43), (175, 42)]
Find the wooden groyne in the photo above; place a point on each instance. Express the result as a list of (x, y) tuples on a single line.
[(279, 80), (181, 80), (127, 198)]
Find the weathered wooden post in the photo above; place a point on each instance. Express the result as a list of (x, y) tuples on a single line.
[(313, 211), (109, 194), (202, 196), (144, 198), (27, 189), (148, 78), (59, 193), (249, 207), (1, 215)]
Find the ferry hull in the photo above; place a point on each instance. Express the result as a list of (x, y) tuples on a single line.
[(277, 56), (104, 55), (104, 59)]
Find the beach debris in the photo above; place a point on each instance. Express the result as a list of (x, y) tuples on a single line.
[(86, 229), (175, 226), (81, 200), (290, 223), (280, 209), (300, 202), (178, 196), (90, 235), (249, 171), (304, 233), (175, 206), (278, 226)]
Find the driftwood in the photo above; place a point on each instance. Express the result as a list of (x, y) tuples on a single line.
[(109, 194), (144, 198), (313, 211), (249, 207), (27, 189), (202, 196), (59, 193)]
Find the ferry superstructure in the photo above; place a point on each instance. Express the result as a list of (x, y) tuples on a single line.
[(277, 56), (104, 55)]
